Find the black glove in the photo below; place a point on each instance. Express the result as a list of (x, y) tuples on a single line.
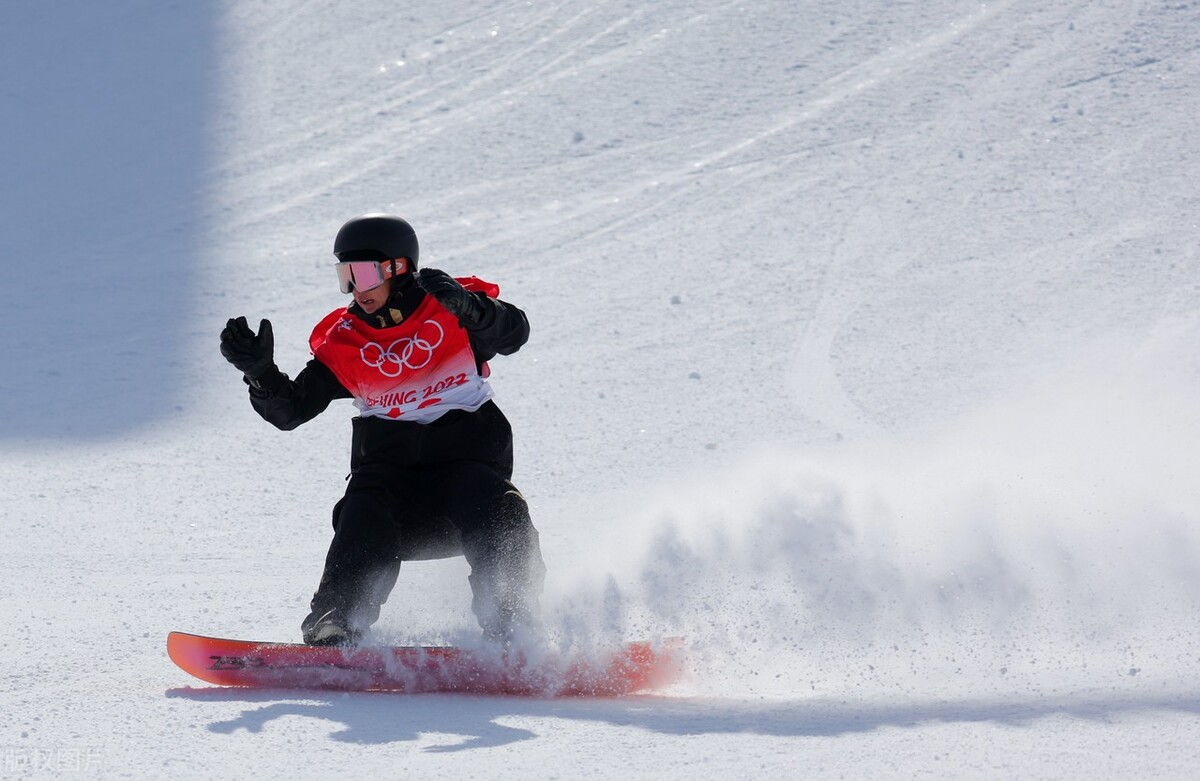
[(458, 300), (253, 355)]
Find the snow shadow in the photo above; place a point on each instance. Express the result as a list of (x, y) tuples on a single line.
[(381, 718), (105, 147)]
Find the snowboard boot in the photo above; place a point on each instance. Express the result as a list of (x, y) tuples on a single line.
[(328, 629), (508, 614), (526, 633)]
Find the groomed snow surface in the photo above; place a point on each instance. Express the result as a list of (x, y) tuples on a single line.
[(864, 356)]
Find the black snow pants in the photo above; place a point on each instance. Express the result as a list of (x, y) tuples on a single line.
[(469, 508)]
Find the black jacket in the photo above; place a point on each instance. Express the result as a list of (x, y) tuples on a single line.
[(483, 435)]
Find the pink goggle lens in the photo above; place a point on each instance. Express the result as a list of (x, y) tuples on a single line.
[(359, 275)]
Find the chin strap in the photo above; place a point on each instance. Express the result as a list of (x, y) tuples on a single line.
[(402, 301)]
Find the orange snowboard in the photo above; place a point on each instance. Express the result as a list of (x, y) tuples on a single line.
[(629, 668)]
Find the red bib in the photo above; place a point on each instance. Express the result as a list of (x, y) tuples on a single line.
[(417, 370)]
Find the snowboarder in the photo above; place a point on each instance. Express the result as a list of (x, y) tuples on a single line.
[(431, 460)]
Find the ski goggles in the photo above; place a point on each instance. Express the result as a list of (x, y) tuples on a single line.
[(366, 274)]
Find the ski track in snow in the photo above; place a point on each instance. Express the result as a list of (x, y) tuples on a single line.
[(863, 356)]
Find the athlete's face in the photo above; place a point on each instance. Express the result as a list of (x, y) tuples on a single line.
[(372, 300)]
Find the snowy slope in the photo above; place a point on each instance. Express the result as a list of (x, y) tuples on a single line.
[(864, 355)]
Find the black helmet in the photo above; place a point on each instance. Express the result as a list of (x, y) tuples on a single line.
[(376, 237)]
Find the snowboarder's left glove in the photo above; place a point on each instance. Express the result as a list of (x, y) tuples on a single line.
[(461, 302), (252, 354)]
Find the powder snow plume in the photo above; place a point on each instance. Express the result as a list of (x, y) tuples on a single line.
[(1049, 540)]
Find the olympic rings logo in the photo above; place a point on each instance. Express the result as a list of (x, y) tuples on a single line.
[(414, 352)]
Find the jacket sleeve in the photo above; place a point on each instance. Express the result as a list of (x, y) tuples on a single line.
[(286, 403), (502, 331)]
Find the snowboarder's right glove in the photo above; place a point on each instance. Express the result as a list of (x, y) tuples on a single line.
[(449, 293), (253, 355)]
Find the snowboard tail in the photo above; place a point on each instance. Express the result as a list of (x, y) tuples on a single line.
[(626, 669)]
